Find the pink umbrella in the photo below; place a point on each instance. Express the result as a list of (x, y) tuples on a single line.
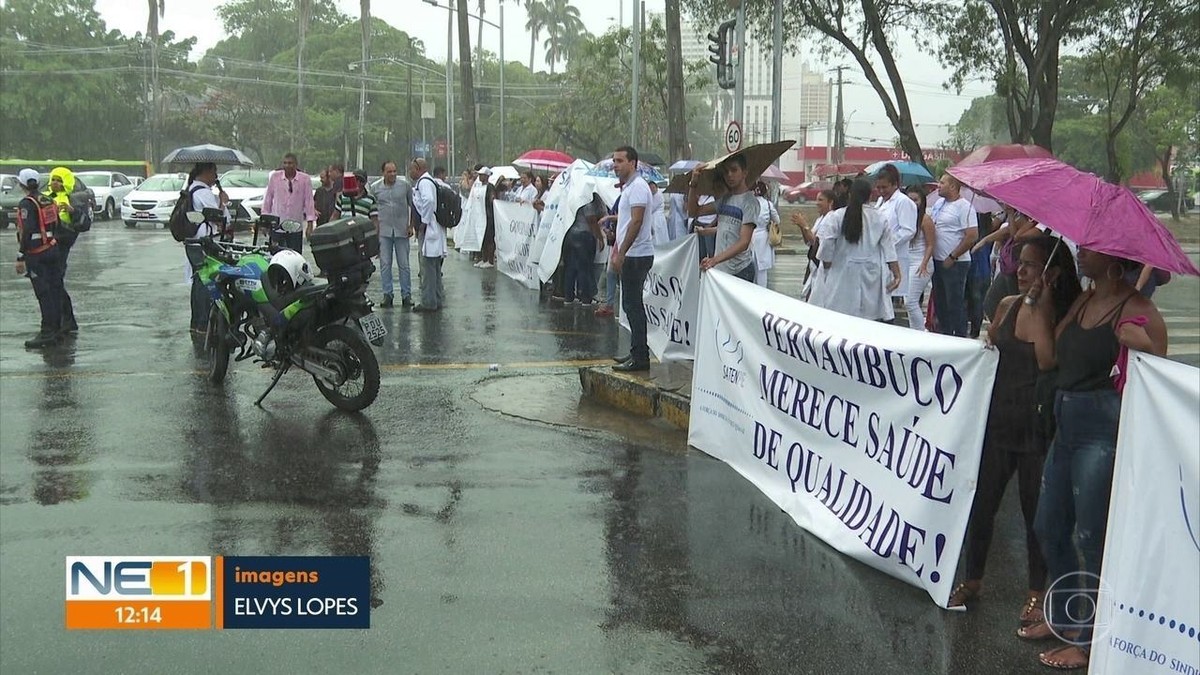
[(1080, 206), (992, 153), (546, 160), (773, 173)]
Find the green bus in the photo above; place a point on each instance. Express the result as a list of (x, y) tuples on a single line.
[(135, 169)]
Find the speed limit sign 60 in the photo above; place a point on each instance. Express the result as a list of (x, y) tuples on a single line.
[(733, 136)]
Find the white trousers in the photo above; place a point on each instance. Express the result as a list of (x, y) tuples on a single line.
[(916, 286)]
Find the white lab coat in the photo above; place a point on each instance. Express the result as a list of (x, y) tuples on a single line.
[(855, 283)]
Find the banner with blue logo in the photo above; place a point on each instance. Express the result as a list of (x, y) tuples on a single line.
[(869, 435), (1148, 612)]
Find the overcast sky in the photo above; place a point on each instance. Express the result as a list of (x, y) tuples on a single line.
[(933, 107)]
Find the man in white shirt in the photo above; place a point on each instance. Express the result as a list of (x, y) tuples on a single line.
[(900, 215), (633, 255), (433, 244), (200, 183)]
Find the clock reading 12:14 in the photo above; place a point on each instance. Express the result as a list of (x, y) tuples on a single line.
[(144, 614)]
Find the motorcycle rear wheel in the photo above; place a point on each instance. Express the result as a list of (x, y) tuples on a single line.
[(357, 363), (218, 346)]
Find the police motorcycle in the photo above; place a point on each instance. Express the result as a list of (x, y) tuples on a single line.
[(268, 306)]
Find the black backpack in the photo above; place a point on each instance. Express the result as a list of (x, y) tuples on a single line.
[(182, 228), (449, 205), (81, 220)]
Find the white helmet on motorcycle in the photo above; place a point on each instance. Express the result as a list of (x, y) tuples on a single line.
[(288, 271)]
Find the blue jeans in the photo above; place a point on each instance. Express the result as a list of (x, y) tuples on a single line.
[(633, 277), (580, 282), (708, 245), (395, 248), (610, 285), (950, 297), (1072, 513)]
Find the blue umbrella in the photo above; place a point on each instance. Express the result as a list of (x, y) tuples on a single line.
[(911, 173), (605, 169)]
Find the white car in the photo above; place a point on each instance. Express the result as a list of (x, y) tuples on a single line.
[(110, 188), (246, 189), (152, 201)]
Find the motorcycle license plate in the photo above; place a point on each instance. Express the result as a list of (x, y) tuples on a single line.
[(372, 327)]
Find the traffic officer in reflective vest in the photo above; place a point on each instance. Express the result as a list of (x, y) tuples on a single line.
[(37, 216)]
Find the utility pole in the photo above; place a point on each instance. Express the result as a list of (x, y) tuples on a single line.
[(503, 152), (449, 85), (839, 138), (739, 90), (408, 129), (637, 66), (777, 77), (363, 89)]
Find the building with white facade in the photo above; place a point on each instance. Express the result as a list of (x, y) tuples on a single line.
[(806, 94)]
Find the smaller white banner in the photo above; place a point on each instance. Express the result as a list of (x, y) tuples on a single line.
[(515, 234), (571, 191), (672, 297), (469, 233), (1148, 612)]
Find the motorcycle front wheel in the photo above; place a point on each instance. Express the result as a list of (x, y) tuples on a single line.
[(357, 363), (217, 343)]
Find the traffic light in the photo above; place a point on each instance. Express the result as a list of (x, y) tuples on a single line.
[(720, 54)]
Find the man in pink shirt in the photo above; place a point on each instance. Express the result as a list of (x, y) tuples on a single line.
[(290, 197)]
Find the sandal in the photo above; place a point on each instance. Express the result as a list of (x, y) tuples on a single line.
[(1032, 612), (964, 593), (1037, 631), (1067, 657)]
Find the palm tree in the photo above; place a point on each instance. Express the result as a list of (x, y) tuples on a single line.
[(482, 7), (537, 21), (565, 28)]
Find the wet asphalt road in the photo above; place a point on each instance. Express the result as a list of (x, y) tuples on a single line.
[(511, 526)]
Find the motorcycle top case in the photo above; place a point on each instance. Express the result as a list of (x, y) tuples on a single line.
[(344, 243)]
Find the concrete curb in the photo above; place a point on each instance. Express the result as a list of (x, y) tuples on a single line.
[(636, 394)]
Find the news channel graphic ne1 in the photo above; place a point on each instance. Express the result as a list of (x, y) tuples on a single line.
[(225, 592), (139, 592), (293, 592)]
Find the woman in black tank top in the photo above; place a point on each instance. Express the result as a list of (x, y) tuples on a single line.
[(1016, 440), (1072, 513)]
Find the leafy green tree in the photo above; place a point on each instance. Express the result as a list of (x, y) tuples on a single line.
[(864, 29), (1139, 45), (980, 124), (70, 87), (589, 120), (1018, 44)]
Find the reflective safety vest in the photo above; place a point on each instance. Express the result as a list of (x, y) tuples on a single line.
[(43, 239)]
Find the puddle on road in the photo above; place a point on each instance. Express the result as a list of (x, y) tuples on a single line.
[(558, 400)]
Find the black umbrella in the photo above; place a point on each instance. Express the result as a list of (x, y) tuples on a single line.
[(207, 153)]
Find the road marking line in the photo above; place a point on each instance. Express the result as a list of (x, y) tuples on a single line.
[(387, 367)]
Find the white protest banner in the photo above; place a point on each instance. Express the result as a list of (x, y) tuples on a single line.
[(868, 435), (1148, 612), (672, 297), (574, 189), (469, 233), (515, 232)]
